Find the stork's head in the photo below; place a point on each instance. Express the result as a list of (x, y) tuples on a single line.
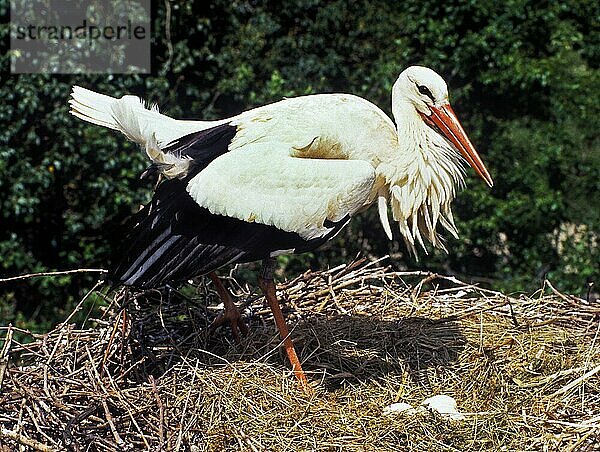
[(427, 93)]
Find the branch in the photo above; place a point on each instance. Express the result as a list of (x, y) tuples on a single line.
[(64, 272), (24, 440), (576, 382), (168, 37)]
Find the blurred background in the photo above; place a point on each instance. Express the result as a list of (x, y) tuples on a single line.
[(523, 78)]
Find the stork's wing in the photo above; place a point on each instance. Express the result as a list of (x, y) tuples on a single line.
[(238, 205), (262, 183), (174, 239)]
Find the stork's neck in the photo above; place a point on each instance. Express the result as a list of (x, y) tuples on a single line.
[(415, 148), (421, 176), (412, 131)]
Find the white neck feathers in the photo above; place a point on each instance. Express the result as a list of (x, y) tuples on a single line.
[(421, 178)]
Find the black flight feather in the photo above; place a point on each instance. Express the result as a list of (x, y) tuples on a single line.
[(174, 239)]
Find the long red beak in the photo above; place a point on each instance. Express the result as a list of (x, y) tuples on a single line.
[(444, 119)]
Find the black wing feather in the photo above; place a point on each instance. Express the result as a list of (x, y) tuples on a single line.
[(201, 147), (175, 239)]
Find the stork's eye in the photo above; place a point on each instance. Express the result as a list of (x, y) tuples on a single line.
[(425, 91)]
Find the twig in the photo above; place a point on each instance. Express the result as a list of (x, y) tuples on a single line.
[(161, 413), (68, 439), (78, 307), (558, 293), (26, 441), (575, 446), (57, 273), (111, 424), (4, 354), (576, 382), (417, 290), (57, 343), (168, 37), (109, 345), (184, 411), (35, 423), (126, 403)]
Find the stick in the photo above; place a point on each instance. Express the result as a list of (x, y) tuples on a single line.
[(557, 293), (24, 440), (78, 307), (576, 382), (58, 273), (5, 354), (109, 345), (111, 424), (161, 412), (68, 438), (187, 399)]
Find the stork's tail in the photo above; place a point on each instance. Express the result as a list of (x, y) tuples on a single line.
[(120, 114), (140, 123)]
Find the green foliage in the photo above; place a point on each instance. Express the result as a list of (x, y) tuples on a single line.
[(523, 77)]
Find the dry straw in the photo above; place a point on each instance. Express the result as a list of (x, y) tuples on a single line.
[(524, 371)]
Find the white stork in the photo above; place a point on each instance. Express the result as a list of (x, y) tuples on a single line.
[(285, 178)]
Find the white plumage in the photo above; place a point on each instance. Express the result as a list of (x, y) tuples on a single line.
[(303, 162), (244, 185)]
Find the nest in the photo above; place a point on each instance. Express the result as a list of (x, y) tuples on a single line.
[(150, 375)]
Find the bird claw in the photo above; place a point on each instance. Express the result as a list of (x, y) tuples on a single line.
[(236, 323)]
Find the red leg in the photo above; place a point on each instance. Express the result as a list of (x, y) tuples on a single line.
[(231, 314), (268, 288)]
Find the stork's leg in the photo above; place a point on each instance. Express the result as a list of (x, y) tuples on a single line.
[(268, 287), (231, 314)]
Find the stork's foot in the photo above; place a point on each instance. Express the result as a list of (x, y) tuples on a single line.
[(231, 314), (233, 317)]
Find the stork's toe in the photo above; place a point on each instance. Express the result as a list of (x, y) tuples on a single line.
[(235, 320)]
